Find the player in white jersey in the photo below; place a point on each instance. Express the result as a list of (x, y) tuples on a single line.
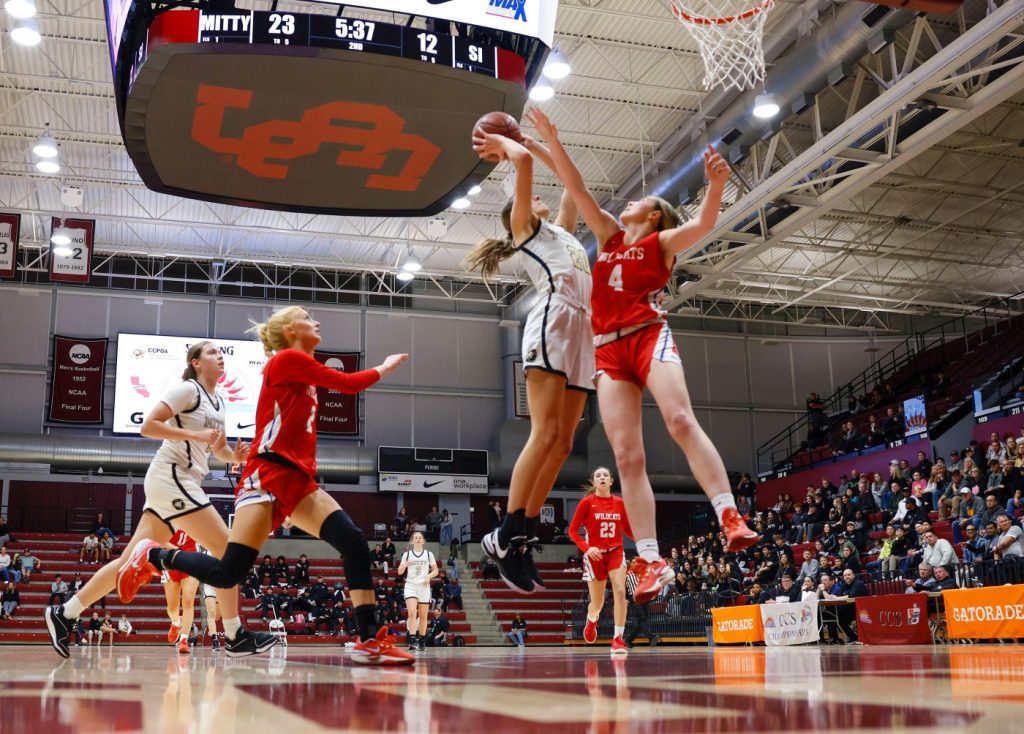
[(190, 421), (419, 566), (558, 352)]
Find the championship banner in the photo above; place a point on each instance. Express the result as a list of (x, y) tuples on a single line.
[(10, 230), (76, 390), (74, 266), (792, 623), (338, 413), (986, 613), (893, 619), (732, 625)]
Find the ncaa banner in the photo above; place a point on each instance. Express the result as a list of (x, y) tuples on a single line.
[(792, 623), (10, 230), (338, 413), (76, 390), (987, 613), (74, 264), (732, 625), (893, 619)]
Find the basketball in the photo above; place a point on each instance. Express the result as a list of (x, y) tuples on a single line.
[(499, 123)]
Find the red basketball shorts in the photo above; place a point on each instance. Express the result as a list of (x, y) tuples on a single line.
[(597, 569), (282, 486), (630, 357)]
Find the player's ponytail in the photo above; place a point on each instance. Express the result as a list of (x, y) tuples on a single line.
[(487, 255), (271, 332), (670, 218), (194, 352)]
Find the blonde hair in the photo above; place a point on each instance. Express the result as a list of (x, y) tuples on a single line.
[(194, 352), (669, 215), (488, 254), (271, 332), (589, 489)]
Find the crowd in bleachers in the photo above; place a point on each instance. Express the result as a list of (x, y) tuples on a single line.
[(897, 523)]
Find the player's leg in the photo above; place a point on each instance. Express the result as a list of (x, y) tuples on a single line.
[(60, 620), (595, 588), (188, 588), (172, 593), (424, 614), (667, 384), (617, 576), (412, 607)]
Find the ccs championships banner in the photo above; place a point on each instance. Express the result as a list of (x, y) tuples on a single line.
[(76, 266), (76, 390), (987, 613), (10, 230), (737, 624), (338, 412), (894, 619), (792, 623)]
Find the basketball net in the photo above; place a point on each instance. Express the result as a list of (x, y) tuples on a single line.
[(728, 33)]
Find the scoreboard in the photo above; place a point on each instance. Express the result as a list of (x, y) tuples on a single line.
[(349, 34), (433, 470)]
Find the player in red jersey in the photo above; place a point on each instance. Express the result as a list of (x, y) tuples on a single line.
[(603, 517), (279, 481), (635, 349), (180, 592)]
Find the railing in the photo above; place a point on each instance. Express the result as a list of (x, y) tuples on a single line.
[(951, 338), (676, 615)]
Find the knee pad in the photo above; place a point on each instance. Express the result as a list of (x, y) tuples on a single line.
[(339, 530)]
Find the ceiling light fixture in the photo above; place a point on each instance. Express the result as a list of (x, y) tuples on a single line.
[(26, 32), (50, 166), (404, 276), (20, 9), (45, 146), (765, 106), (412, 265), (556, 66), (61, 236), (474, 191), (461, 203), (542, 91)]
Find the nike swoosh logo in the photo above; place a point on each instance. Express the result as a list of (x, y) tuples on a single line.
[(428, 485), (243, 426)]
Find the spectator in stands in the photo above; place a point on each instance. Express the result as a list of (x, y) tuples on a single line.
[(518, 633), (788, 591), (892, 428), (106, 547), (809, 568), (853, 539), (1008, 544), (89, 552), (437, 631), (5, 564), (377, 559), (319, 590), (828, 490), (852, 439), (780, 549), (101, 526), (995, 449), (452, 594), (898, 548), (107, 627), (949, 497), (281, 572), (875, 435), (968, 513), (924, 465), (301, 577), (865, 499), (756, 594), (955, 462), (93, 628), (301, 610), (940, 386), (400, 525), (829, 539), (937, 551), (994, 480), (10, 600), (265, 571), (433, 521), (943, 580), (58, 591), (124, 627), (1015, 504), (389, 553), (266, 604), (29, 565), (1013, 480), (925, 581), (339, 618), (850, 560), (785, 568), (446, 529), (973, 546), (5, 531)]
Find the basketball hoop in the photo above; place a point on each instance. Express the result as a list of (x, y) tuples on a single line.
[(728, 33)]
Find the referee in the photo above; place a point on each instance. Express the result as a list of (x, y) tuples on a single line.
[(639, 615)]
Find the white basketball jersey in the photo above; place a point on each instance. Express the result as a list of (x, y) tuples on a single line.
[(194, 409), (417, 566), (557, 263)]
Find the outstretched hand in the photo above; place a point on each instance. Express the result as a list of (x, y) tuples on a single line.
[(715, 168), (542, 124), (392, 363), (495, 147)]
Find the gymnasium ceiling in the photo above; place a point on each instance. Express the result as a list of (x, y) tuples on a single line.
[(936, 232)]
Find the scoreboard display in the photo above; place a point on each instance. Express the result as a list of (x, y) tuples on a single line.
[(349, 34)]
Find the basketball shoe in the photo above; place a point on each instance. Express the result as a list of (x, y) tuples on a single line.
[(381, 650), (510, 561), (248, 643), (183, 646), (650, 578), (173, 632), (59, 628), (619, 646), (590, 632), (137, 571), (737, 534)]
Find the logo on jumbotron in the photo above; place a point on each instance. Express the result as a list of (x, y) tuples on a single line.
[(366, 133), (231, 389)]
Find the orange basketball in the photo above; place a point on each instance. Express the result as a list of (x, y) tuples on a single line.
[(499, 123)]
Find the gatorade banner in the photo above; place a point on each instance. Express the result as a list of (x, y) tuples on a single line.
[(894, 619), (732, 625), (74, 263), (76, 390), (338, 413), (987, 613), (792, 623), (10, 230)]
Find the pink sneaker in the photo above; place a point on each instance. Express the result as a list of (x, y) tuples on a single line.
[(136, 572)]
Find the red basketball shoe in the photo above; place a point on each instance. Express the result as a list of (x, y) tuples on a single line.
[(590, 631), (738, 535), (136, 572), (619, 646), (381, 650), (650, 578)]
